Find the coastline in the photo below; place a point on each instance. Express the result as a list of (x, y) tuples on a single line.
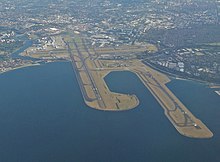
[(179, 77), (29, 65), (20, 67)]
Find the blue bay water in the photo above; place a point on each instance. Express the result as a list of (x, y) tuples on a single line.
[(43, 118)]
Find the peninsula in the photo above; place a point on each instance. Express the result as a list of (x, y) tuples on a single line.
[(91, 65)]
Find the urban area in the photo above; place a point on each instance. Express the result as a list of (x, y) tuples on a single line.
[(181, 37)]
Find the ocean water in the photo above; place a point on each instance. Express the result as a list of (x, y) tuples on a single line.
[(43, 118)]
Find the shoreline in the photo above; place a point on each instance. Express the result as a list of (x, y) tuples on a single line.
[(20, 67), (30, 65), (175, 117), (179, 77)]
